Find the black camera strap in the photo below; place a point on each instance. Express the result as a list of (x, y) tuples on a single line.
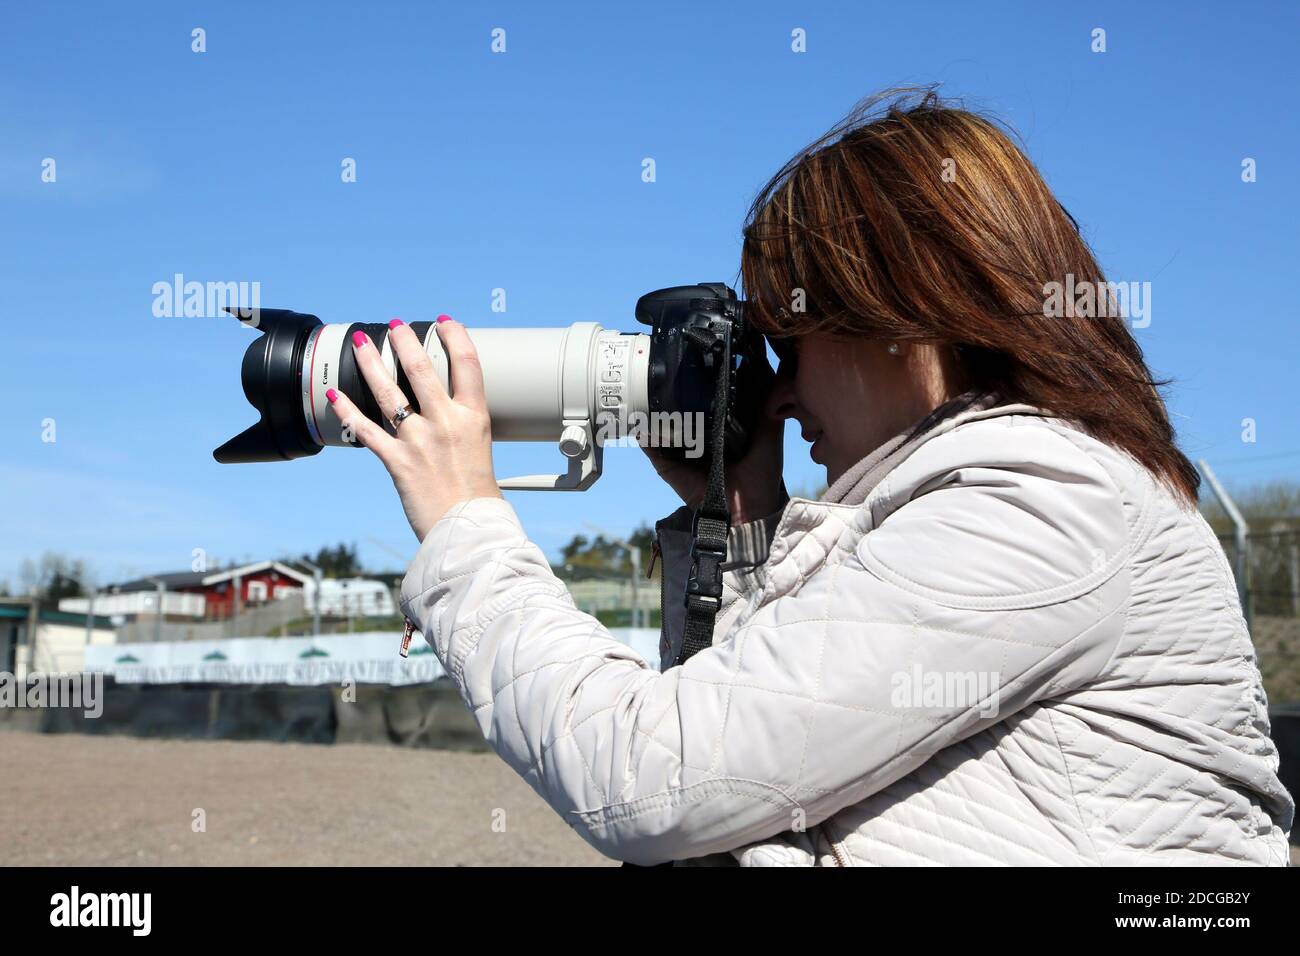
[(710, 524)]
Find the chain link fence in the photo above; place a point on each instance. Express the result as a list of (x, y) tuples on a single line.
[(1272, 595)]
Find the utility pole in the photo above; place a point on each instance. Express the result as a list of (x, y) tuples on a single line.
[(158, 611), (90, 617), (319, 575), (1295, 579), (1242, 534), (33, 625), (636, 585), (237, 608)]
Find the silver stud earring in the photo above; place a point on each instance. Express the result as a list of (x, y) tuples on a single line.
[(893, 348)]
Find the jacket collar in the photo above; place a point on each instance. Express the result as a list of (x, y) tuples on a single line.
[(853, 487)]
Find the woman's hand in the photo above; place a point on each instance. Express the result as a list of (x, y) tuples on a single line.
[(754, 485), (443, 455)]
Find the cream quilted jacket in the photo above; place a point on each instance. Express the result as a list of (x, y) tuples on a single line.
[(1018, 650)]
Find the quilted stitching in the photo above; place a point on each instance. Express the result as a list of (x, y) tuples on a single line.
[(1111, 745)]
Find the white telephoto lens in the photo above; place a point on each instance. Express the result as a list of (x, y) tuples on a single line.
[(537, 380)]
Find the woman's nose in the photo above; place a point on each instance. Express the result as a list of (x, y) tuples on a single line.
[(781, 402)]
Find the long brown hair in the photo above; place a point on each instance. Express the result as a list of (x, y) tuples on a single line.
[(915, 220)]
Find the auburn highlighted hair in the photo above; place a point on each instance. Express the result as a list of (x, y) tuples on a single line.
[(915, 220)]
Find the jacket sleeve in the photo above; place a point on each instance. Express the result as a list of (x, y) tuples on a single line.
[(820, 697)]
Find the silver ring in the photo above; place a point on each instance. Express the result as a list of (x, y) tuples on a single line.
[(401, 415)]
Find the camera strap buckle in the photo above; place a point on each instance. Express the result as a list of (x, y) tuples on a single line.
[(703, 584), (708, 551)]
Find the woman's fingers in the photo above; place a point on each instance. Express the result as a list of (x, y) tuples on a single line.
[(367, 432), (415, 362), (463, 366), (382, 385)]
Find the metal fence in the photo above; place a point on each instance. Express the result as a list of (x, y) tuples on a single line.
[(1272, 569), (1270, 598)]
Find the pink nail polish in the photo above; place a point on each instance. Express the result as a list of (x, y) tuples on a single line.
[(332, 396), (359, 338), (444, 318), (395, 323)]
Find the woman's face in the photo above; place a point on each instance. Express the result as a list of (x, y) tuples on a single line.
[(850, 395)]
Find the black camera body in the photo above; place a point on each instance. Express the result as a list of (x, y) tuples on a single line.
[(698, 333)]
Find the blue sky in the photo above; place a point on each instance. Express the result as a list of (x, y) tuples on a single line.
[(522, 171)]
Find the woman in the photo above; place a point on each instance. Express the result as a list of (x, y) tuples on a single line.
[(1004, 635)]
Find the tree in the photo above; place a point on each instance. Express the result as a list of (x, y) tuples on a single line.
[(643, 539), (576, 546), (340, 561), (53, 577), (1272, 509), (602, 557), (1269, 507)]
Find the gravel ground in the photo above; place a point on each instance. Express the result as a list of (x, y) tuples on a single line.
[(118, 801), (67, 799)]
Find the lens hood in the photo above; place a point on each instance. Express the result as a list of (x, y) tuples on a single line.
[(271, 376)]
